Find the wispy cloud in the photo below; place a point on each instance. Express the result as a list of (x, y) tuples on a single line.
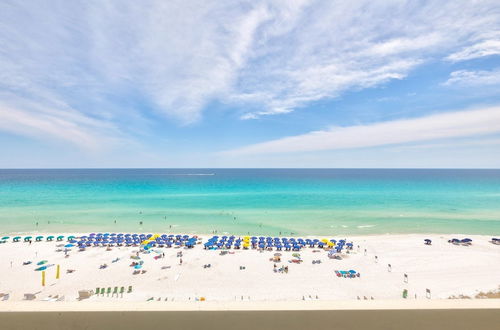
[(480, 49), (35, 120), (441, 126), (125, 62), (473, 78)]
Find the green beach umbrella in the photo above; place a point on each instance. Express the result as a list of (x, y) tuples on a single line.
[(59, 238), (27, 238), (50, 238), (5, 237), (39, 238), (70, 238), (16, 239), (42, 262)]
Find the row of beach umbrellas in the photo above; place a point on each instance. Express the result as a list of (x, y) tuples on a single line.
[(227, 242)]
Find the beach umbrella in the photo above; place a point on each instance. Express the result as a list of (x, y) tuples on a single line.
[(69, 245), (352, 271), (60, 238), (42, 262), (138, 266), (466, 240), (41, 268), (27, 238)]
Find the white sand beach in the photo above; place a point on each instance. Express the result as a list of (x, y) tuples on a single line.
[(443, 268)]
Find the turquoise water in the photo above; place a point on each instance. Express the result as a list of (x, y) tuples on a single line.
[(255, 201)]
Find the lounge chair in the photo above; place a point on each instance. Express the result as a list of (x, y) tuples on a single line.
[(97, 290), (108, 291), (115, 291), (29, 296), (103, 290), (122, 290)]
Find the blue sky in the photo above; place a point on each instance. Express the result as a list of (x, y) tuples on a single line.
[(250, 84)]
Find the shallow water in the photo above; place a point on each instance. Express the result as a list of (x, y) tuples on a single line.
[(255, 201)]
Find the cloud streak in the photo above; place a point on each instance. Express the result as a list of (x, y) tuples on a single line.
[(473, 78), (441, 126), (108, 68)]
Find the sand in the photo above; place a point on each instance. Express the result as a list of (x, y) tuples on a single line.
[(445, 269)]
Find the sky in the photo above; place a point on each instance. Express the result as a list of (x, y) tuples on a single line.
[(326, 84)]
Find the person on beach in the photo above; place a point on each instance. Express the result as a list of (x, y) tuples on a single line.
[(180, 261), (389, 267)]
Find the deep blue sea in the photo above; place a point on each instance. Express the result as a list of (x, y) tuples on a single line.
[(255, 201)]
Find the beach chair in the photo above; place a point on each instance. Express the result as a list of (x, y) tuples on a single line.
[(129, 289), (122, 290), (103, 290), (29, 296), (97, 290), (115, 291), (108, 291)]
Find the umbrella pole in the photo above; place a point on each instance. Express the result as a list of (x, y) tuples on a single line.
[(58, 271), (43, 278)]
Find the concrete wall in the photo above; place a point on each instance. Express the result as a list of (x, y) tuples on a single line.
[(407, 319)]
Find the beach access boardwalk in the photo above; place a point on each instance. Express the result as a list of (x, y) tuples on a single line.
[(389, 314)]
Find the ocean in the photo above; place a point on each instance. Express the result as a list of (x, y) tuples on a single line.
[(251, 201)]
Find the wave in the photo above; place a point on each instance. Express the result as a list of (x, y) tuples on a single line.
[(190, 174)]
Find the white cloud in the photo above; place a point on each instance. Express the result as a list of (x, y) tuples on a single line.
[(68, 125), (472, 78), (481, 49), (441, 126)]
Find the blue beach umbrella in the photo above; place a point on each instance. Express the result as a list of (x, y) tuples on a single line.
[(69, 245)]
